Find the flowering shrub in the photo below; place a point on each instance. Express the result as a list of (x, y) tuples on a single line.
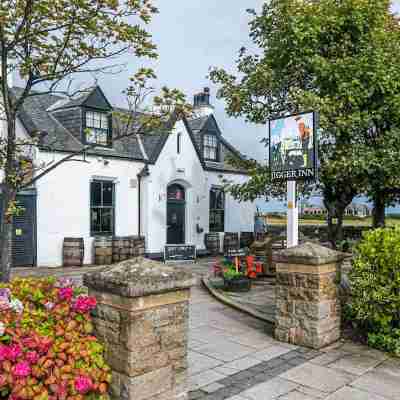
[(47, 351)]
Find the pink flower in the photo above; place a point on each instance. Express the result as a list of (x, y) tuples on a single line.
[(3, 381), (14, 351), (22, 369), (84, 304), (83, 384), (65, 293), (4, 351), (32, 357)]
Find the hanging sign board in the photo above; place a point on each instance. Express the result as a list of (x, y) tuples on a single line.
[(293, 147), (179, 253)]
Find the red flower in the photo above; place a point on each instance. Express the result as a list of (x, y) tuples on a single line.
[(29, 342)]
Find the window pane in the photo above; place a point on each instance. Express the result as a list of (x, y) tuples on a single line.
[(95, 220), (104, 121), (101, 137), (213, 154), (89, 119), (96, 193), (108, 194), (107, 220)]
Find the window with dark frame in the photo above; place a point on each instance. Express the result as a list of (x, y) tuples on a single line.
[(210, 147), (102, 207), (97, 128), (217, 210)]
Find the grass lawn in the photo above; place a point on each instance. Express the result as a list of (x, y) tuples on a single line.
[(273, 220)]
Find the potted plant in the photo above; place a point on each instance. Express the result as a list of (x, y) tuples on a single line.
[(235, 281)]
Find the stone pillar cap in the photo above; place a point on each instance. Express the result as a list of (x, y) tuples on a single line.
[(308, 253), (139, 277)]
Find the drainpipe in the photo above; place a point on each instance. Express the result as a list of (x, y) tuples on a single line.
[(143, 173)]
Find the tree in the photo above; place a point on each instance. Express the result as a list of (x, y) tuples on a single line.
[(49, 42), (340, 59)]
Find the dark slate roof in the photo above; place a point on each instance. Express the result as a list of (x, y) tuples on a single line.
[(63, 126)]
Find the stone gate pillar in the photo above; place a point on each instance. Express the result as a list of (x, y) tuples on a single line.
[(142, 319), (307, 295)]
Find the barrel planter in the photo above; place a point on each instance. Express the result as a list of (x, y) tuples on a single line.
[(231, 241), (103, 251), (246, 239), (238, 284), (121, 248), (137, 246), (212, 243), (73, 252)]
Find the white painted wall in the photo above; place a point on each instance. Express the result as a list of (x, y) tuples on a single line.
[(186, 169), (63, 204)]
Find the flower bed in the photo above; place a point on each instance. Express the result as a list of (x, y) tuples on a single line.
[(47, 350)]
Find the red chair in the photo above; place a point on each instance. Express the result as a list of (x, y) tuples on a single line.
[(251, 271), (259, 267)]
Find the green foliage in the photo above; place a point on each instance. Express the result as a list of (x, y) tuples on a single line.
[(375, 284), (230, 272), (340, 59)]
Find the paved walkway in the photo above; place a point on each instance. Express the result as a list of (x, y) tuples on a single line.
[(233, 356)]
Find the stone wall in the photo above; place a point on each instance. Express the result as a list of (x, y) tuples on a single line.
[(320, 232), (142, 319), (308, 311)]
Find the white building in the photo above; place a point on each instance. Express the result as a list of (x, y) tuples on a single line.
[(164, 186)]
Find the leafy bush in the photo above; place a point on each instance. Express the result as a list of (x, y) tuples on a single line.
[(47, 351), (230, 272), (375, 284)]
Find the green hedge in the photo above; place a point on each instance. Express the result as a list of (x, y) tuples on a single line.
[(375, 282)]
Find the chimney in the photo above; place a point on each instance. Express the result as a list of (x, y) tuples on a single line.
[(201, 103)]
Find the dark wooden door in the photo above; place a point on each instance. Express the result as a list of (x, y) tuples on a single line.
[(175, 222), (24, 232)]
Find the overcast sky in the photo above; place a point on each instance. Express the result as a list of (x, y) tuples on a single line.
[(191, 36)]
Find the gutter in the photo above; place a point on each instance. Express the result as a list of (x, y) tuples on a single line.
[(142, 174)]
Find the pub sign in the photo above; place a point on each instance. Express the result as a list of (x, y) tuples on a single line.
[(293, 147)]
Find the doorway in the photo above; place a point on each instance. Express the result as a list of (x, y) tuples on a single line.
[(176, 207)]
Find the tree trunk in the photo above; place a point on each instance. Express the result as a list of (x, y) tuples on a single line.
[(8, 196), (9, 193), (378, 211), (335, 231)]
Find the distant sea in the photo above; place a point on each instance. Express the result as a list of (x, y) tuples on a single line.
[(280, 206)]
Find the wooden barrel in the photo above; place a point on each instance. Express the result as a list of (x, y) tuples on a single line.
[(246, 239), (137, 247), (121, 248), (231, 241), (103, 250), (73, 252), (212, 243)]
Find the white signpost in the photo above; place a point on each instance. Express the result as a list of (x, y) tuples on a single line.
[(293, 157)]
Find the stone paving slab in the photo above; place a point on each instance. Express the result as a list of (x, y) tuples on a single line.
[(272, 370)]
